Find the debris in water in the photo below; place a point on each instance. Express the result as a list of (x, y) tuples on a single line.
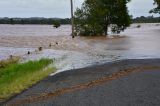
[(40, 48), (11, 56), (56, 43), (50, 45), (138, 26), (29, 53)]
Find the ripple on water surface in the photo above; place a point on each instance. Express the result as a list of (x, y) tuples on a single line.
[(134, 43)]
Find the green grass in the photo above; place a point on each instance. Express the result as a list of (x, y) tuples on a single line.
[(17, 77), (7, 62)]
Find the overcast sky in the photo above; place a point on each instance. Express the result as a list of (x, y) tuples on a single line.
[(59, 8)]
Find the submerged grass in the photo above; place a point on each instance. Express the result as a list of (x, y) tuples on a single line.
[(18, 77)]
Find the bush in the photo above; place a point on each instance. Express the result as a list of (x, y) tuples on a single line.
[(56, 24)]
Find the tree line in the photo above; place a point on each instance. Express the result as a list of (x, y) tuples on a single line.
[(51, 21), (149, 19), (47, 21)]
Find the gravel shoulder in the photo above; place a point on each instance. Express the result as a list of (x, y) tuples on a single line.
[(125, 82)]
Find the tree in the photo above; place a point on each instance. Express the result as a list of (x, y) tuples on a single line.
[(56, 24), (95, 16), (157, 9)]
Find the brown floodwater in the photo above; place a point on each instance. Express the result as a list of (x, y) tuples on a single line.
[(133, 43)]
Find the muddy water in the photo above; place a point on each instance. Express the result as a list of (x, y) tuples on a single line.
[(70, 53)]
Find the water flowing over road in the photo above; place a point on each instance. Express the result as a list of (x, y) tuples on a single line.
[(134, 43)]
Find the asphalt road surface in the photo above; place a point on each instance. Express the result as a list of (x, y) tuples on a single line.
[(120, 83)]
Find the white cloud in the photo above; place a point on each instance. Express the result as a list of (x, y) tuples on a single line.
[(140, 7)]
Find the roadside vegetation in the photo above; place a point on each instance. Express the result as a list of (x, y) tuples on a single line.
[(11, 60), (16, 77)]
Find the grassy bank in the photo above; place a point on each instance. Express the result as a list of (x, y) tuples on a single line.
[(15, 77), (12, 60)]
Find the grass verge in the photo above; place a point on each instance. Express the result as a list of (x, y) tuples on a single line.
[(7, 62), (17, 77)]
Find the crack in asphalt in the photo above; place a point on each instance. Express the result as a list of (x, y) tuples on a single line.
[(100, 81)]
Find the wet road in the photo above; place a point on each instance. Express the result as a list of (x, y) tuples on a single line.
[(122, 83)]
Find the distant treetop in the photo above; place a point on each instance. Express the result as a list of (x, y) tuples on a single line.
[(157, 9)]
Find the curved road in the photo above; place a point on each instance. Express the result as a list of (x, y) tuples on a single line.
[(121, 83)]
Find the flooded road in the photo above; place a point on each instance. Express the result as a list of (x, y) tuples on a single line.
[(134, 43)]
